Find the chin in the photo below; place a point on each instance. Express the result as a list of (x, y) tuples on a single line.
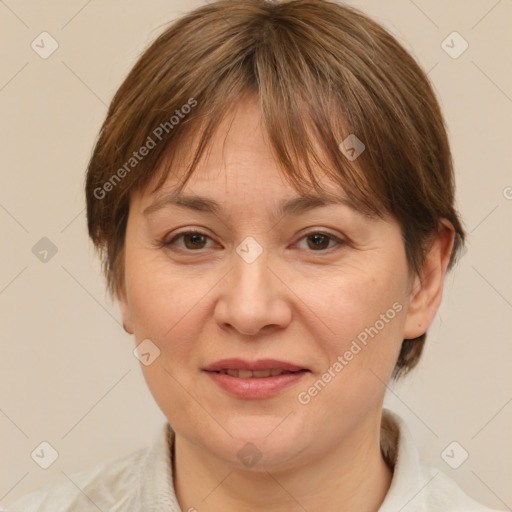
[(259, 443)]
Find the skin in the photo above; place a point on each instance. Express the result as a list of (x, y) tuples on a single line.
[(199, 302)]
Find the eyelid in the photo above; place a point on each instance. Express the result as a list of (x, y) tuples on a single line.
[(190, 231), (339, 241)]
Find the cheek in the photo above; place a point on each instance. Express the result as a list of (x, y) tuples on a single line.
[(155, 293), (351, 303), (365, 319), (170, 306), (364, 312), (167, 309)]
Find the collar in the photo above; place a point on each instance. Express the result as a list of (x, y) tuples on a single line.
[(399, 451)]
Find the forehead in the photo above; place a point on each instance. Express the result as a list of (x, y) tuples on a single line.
[(292, 206), (238, 163), (246, 178)]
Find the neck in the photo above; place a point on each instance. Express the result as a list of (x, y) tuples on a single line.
[(352, 476)]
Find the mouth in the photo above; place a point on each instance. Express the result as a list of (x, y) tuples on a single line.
[(257, 374), (256, 379)]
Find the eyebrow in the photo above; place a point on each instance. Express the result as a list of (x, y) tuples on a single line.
[(294, 206)]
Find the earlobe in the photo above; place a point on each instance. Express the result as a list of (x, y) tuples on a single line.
[(427, 289), (125, 310), (126, 329)]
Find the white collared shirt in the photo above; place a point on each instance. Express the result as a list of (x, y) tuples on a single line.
[(142, 481)]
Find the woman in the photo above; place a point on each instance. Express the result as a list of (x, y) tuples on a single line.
[(272, 194)]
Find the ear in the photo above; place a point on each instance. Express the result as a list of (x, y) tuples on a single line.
[(125, 309), (427, 288)]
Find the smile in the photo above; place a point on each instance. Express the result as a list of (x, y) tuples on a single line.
[(260, 379), (249, 374)]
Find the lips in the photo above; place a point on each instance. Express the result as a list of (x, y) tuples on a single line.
[(254, 379), (249, 374), (274, 366)]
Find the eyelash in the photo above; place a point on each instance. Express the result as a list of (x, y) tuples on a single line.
[(169, 243)]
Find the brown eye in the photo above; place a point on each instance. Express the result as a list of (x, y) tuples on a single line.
[(320, 242), (193, 240), (196, 240)]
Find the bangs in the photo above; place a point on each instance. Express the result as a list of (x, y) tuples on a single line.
[(305, 148), (305, 112)]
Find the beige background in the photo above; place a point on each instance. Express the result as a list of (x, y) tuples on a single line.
[(68, 375)]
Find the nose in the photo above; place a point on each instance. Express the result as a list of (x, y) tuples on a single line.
[(253, 297)]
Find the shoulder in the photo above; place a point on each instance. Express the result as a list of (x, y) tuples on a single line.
[(443, 493), (417, 486), (100, 487)]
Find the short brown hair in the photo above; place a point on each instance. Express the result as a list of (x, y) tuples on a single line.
[(322, 71)]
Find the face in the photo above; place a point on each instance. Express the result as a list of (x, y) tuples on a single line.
[(315, 300)]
